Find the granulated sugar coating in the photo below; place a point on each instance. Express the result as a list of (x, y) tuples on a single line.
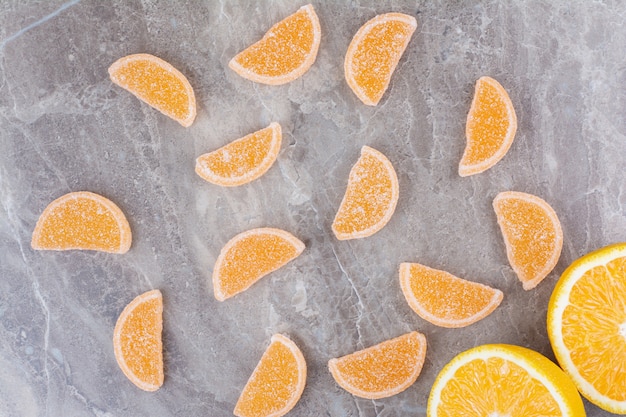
[(285, 52), (242, 160), (158, 84), (444, 299), (374, 53), (251, 255), (490, 129), (137, 341), (82, 220), (532, 235), (277, 382), (382, 370), (370, 198)]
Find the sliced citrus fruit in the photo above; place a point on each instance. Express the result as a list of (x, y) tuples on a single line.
[(444, 299), (370, 198), (82, 220), (158, 84), (242, 160), (382, 370), (587, 326), (532, 235), (251, 255), (374, 53), (285, 52), (503, 381), (137, 341), (490, 128), (277, 382)]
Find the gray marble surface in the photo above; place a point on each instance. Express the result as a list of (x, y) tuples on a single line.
[(65, 127)]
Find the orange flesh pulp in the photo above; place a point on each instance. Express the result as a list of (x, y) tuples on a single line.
[(140, 342), (594, 328), (447, 297), (531, 234), (496, 387), (273, 384), (283, 49), (79, 223), (487, 124), (368, 198), (251, 258), (156, 86), (377, 55)]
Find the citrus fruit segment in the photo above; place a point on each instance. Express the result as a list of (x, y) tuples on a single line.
[(251, 255), (285, 52), (587, 326), (277, 382), (444, 299), (242, 160), (370, 198), (137, 341), (158, 84), (374, 53), (490, 129), (503, 381), (532, 235), (382, 370), (82, 220)]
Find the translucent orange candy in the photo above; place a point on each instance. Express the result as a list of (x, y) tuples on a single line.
[(445, 300), (137, 341), (532, 235), (382, 370), (251, 255), (370, 199), (490, 129), (242, 160), (286, 52), (374, 53), (158, 84), (82, 220), (277, 382)]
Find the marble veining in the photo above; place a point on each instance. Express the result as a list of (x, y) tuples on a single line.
[(65, 127)]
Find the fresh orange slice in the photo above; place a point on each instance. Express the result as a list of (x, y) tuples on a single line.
[(532, 235), (370, 199), (242, 160), (158, 84), (137, 341), (284, 53), (490, 128), (82, 220), (251, 255), (503, 381), (587, 326), (277, 382), (445, 300), (382, 370), (374, 53)]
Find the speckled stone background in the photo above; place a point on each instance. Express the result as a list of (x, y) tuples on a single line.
[(65, 127)]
